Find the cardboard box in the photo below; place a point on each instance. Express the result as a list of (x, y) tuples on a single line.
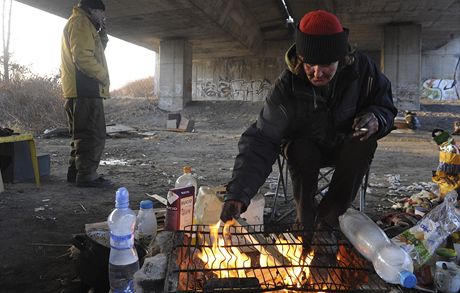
[(179, 208)]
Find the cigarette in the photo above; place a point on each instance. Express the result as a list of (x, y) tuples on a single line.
[(364, 129)]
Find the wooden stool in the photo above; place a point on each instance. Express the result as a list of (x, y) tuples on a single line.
[(33, 154)]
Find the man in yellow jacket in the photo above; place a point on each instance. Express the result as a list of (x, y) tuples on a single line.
[(85, 84)]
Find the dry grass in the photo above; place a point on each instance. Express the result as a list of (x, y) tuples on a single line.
[(32, 104), (141, 88)]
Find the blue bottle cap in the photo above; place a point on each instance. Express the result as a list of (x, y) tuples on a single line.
[(122, 198), (407, 279), (146, 204)]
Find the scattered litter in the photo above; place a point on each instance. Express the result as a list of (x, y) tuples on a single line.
[(148, 133), (56, 132), (83, 207), (45, 199), (158, 197), (39, 209), (118, 128), (114, 162), (393, 179)]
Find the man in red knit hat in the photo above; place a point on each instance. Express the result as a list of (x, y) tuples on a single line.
[(328, 108)]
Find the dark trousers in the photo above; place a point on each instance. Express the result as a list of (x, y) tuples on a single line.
[(351, 160), (86, 123)]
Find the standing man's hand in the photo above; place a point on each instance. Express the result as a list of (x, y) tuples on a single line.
[(365, 125), (231, 210)]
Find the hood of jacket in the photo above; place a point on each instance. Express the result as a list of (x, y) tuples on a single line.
[(293, 64)]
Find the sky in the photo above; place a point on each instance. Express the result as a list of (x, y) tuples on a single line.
[(36, 42)]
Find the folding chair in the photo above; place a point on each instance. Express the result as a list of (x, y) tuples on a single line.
[(324, 179)]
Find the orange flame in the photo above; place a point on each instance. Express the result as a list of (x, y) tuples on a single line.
[(297, 274), (228, 261)]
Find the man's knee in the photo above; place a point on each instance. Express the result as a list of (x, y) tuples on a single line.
[(360, 149)]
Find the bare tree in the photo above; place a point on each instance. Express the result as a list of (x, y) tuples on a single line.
[(6, 33)]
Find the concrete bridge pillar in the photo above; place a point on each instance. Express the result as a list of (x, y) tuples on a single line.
[(175, 74), (401, 63)]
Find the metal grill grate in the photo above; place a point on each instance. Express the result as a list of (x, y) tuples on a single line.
[(252, 260)]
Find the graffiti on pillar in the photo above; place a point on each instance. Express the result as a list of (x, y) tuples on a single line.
[(440, 89), (443, 89), (236, 89)]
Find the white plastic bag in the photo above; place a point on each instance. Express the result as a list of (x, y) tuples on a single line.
[(429, 233)]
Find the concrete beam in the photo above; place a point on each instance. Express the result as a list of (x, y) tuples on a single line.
[(233, 18)]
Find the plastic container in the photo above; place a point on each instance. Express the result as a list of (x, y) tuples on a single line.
[(123, 259), (390, 261), (208, 206), (187, 179), (146, 222)]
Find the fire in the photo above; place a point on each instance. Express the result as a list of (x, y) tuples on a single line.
[(228, 261), (298, 273)]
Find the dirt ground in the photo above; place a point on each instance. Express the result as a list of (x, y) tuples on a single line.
[(38, 223)]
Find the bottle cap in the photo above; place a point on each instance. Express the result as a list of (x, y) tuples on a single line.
[(407, 279), (187, 169), (146, 204), (122, 198)]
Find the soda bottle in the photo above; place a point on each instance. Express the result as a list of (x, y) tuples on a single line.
[(390, 261), (146, 223), (123, 260), (187, 179)]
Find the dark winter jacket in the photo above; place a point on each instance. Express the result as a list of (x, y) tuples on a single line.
[(296, 109)]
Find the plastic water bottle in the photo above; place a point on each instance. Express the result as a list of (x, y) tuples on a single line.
[(123, 260), (186, 179), (390, 261), (146, 223)]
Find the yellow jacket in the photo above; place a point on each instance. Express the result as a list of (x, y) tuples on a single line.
[(84, 70)]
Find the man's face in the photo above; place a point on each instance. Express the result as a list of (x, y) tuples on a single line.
[(320, 74)]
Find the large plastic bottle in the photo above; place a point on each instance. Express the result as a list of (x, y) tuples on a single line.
[(123, 260), (390, 261), (186, 179), (146, 223)]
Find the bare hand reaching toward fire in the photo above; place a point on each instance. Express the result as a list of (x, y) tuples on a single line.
[(231, 210)]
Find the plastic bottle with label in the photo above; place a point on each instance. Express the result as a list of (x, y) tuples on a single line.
[(146, 223), (390, 261), (123, 259), (186, 179)]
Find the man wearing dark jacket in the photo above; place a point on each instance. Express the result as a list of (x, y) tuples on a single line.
[(328, 108), (85, 83)]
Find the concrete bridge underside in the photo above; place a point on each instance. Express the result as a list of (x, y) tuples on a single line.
[(221, 48)]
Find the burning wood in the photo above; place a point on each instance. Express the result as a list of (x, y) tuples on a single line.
[(216, 262), (265, 248)]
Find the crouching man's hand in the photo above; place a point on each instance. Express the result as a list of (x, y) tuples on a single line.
[(365, 125), (231, 210)]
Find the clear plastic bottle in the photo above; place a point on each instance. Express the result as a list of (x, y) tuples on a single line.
[(186, 179), (390, 261), (123, 260), (146, 223)]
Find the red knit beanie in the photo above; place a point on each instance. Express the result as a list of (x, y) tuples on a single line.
[(320, 38), (320, 22)]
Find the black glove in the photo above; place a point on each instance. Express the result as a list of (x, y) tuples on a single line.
[(365, 125), (231, 210)]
